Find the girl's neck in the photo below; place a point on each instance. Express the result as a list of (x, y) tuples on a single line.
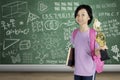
[(84, 28)]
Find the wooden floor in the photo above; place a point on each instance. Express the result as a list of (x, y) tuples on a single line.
[(52, 76)]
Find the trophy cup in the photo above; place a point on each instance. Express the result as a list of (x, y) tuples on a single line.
[(100, 37), (101, 40)]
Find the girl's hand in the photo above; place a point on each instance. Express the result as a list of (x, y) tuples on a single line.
[(97, 51), (104, 47)]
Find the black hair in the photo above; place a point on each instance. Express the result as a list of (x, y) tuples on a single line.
[(87, 8)]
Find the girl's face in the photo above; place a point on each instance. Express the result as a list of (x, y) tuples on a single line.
[(82, 17)]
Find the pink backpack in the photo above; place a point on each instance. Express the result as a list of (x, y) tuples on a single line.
[(97, 60)]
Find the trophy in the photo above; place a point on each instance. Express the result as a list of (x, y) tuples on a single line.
[(100, 37), (101, 40)]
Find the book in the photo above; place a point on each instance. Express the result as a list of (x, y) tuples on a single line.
[(70, 57), (104, 55)]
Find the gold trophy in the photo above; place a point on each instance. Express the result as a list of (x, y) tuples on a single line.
[(101, 40), (100, 37)]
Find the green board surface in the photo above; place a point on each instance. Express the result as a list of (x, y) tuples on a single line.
[(38, 31)]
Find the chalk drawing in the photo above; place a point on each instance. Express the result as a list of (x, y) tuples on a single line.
[(12, 9), (24, 45), (67, 33), (65, 6), (12, 21), (68, 45), (16, 59), (9, 53), (27, 58), (51, 40), (57, 53), (51, 25), (41, 56), (68, 27), (9, 25), (31, 17), (105, 5), (42, 7), (111, 27), (108, 14), (36, 42), (49, 61), (69, 23), (9, 42), (57, 16), (17, 31), (37, 26), (115, 50), (3, 25)]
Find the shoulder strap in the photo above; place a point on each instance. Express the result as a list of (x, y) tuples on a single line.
[(74, 33), (92, 41)]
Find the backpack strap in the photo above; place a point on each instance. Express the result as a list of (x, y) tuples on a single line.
[(97, 60), (92, 41), (74, 33)]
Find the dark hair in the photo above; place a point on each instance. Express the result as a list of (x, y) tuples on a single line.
[(87, 8)]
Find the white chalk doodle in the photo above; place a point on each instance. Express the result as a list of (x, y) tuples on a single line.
[(16, 59), (67, 33), (68, 27), (27, 57), (24, 45), (57, 53), (68, 45), (49, 61), (115, 49), (9, 42), (17, 31), (7, 25), (12, 9), (42, 7), (104, 5), (3, 25), (69, 23), (108, 14), (37, 26), (36, 44), (31, 17), (12, 21), (51, 25), (41, 56), (111, 27), (54, 16), (9, 53), (51, 40), (65, 6)]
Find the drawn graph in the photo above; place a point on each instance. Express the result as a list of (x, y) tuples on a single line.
[(14, 9)]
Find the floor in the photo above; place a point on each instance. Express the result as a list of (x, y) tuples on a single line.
[(53, 76)]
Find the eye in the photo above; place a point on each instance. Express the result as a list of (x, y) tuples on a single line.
[(83, 14)]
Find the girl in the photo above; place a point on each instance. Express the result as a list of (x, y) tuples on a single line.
[(84, 65)]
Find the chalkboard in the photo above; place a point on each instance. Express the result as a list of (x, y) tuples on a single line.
[(38, 31)]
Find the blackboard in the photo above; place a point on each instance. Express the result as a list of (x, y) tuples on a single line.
[(38, 31)]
